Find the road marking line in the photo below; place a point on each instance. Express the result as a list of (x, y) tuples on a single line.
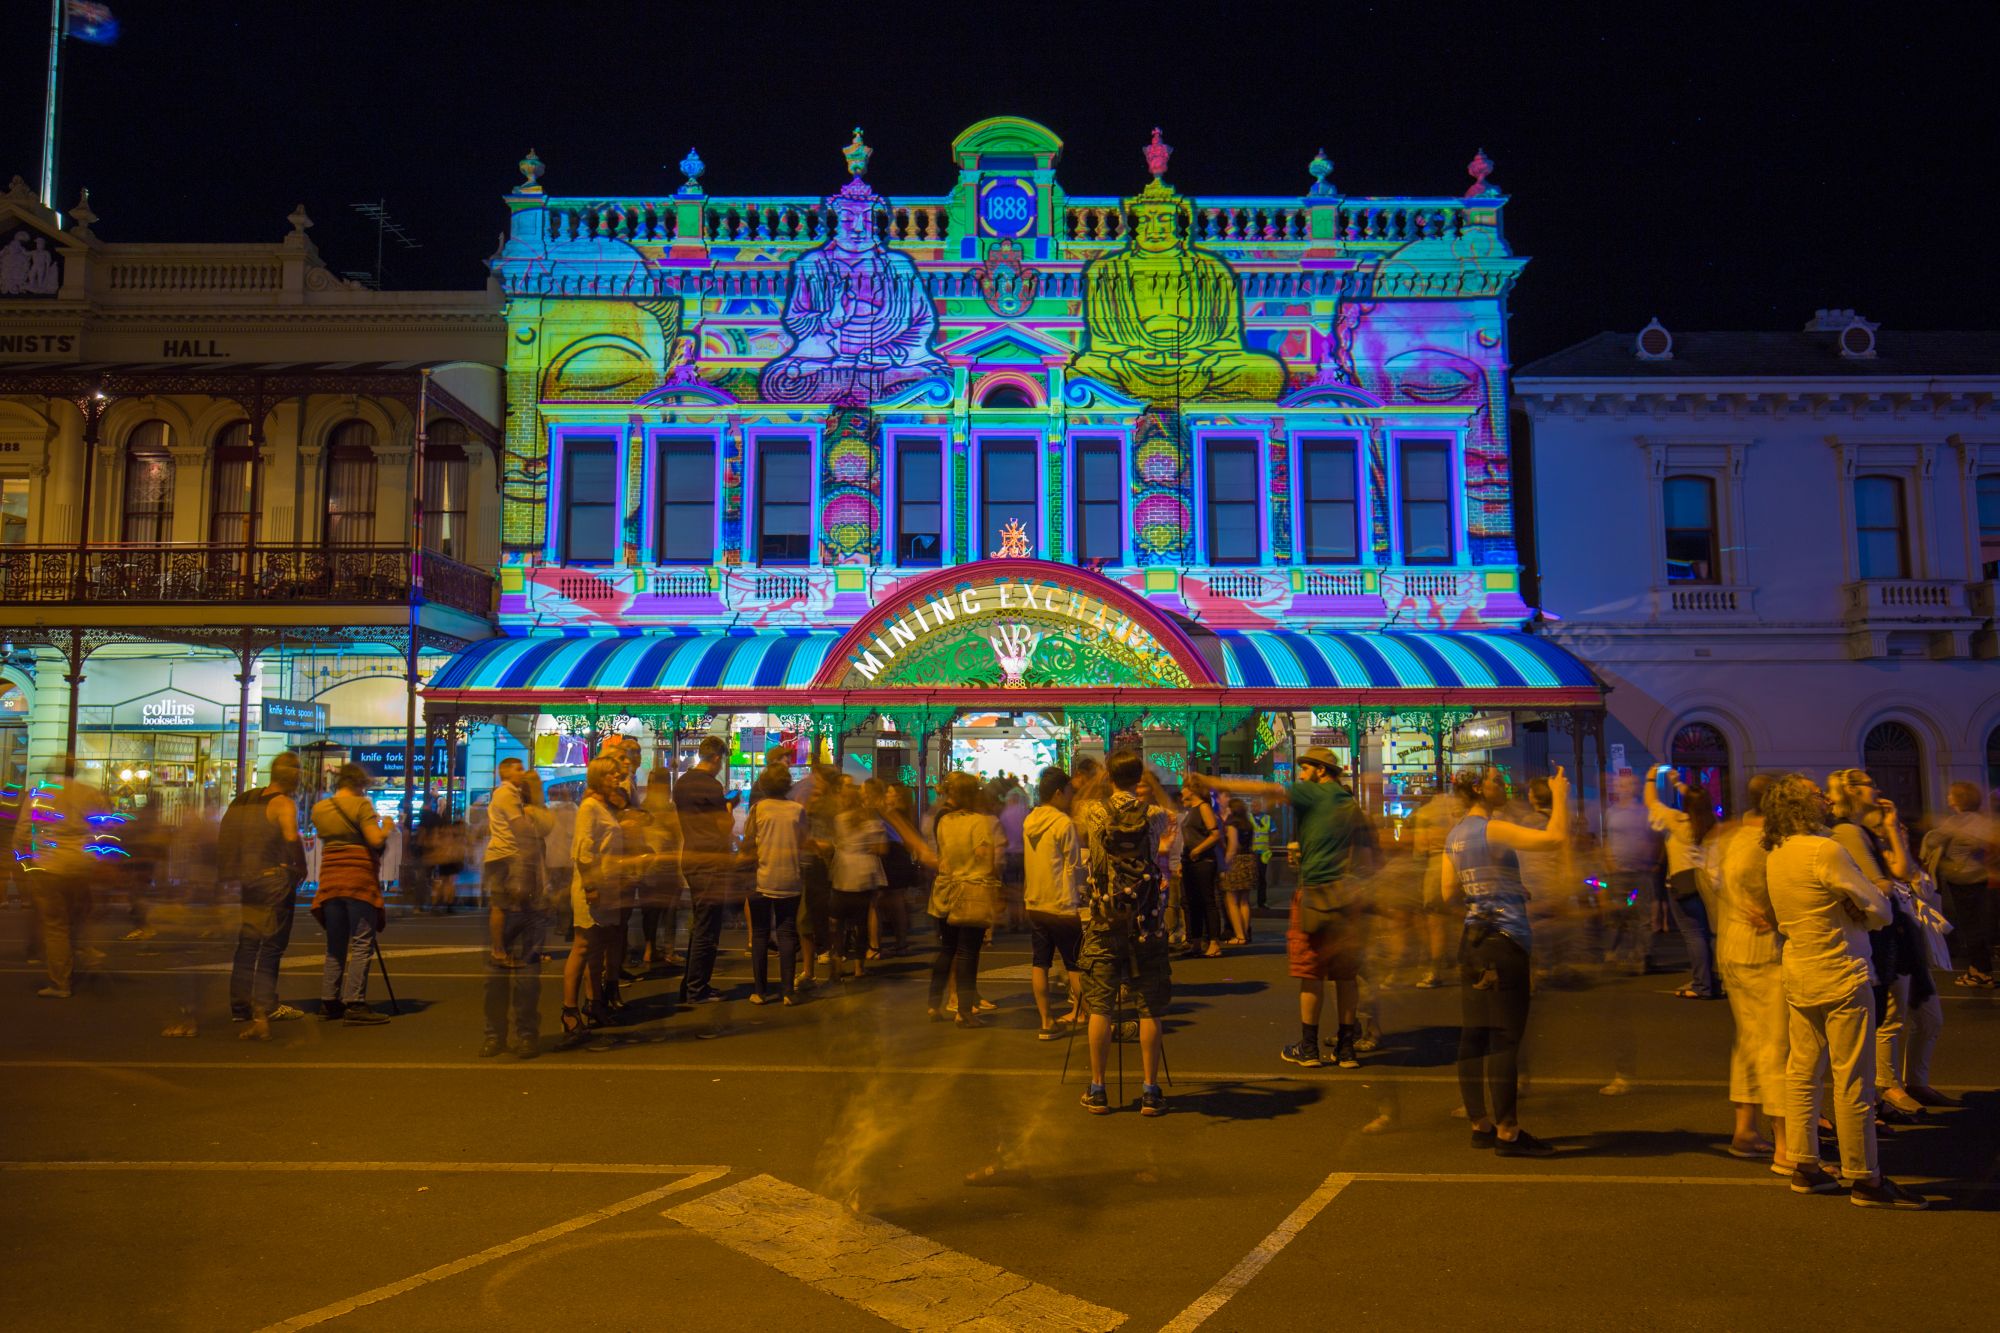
[(492, 1252), (428, 1168), (898, 1276), (1265, 1250)]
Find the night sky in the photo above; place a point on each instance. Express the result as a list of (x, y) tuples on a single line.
[(1730, 171)]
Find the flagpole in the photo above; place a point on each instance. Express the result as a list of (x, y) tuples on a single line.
[(49, 106)]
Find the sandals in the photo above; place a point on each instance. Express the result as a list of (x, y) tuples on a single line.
[(1690, 993), (1971, 982), (184, 1028), (1757, 1151)]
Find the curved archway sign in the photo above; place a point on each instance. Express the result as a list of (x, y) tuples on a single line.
[(1014, 624)]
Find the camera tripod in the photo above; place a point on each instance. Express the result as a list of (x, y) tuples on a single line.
[(1128, 972)]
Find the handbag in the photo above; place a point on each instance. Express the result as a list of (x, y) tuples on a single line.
[(1926, 908)]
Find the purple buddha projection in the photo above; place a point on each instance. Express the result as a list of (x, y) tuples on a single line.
[(860, 321)]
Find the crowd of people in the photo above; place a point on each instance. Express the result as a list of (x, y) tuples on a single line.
[(1817, 916)]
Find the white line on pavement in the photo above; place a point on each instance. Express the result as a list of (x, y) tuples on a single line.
[(427, 1168), (492, 1252), (903, 1278), (1253, 1263)]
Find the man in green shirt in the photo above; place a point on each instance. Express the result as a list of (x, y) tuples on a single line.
[(1327, 819)]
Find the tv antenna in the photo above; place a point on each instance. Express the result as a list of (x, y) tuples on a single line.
[(386, 229)]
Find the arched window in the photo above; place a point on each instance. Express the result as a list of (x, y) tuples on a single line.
[(232, 504), (149, 484), (1895, 759), (1005, 394), (445, 529), (350, 485), (1701, 754)]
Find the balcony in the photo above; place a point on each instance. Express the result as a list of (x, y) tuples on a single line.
[(1895, 617), (1686, 602), (135, 575)]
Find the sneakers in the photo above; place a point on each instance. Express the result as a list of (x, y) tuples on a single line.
[(1152, 1101), (1812, 1178), (360, 1016), (284, 1013), (1429, 981), (1298, 1053), (331, 1009), (1523, 1144), (1485, 1138), (1343, 1046), (706, 995), (1886, 1193), (54, 992), (1094, 1100), (491, 1047)]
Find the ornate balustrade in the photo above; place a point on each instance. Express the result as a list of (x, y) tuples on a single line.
[(1355, 221), (611, 220), (192, 275), (153, 574)]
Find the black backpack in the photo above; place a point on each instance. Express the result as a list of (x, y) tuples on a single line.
[(1132, 893)]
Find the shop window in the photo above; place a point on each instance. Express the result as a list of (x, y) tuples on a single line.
[(1233, 501), (232, 502), (1423, 501), (350, 485), (1895, 759), (684, 532), (1881, 547), (1692, 555), (784, 502), (1097, 489), (1007, 495), (446, 504), (919, 501), (590, 502), (149, 484), (13, 511), (1700, 753), (1986, 490), (1329, 499)]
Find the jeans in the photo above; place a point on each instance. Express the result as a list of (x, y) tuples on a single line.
[(1975, 906), (1691, 919), (62, 901), (1628, 917), (768, 916), (261, 943), (1494, 1020), (704, 935), (957, 959), (518, 985), (350, 948), (1840, 1034)]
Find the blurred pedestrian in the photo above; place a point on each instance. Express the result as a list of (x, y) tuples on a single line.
[(600, 897), (258, 847), (1127, 838), (965, 898), (1201, 848), (348, 902), (776, 845), (509, 826), (1431, 825), (1632, 860), (1963, 854), (1481, 868), (708, 860), (57, 834), (1053, 895), (1825, 906), (662, 888), (517, 893), (1239, 874), (860, 840), (1749, 953)]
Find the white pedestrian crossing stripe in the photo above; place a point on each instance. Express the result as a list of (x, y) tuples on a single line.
[(896, 1275)]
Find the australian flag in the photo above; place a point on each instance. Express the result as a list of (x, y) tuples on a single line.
[(88, 21)]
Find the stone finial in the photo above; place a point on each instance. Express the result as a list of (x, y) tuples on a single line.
[(1321, 168), (531, 174), (857, 154), (1479, 169), (81, 217), (691, 167), (1157, 152), (299, 219)]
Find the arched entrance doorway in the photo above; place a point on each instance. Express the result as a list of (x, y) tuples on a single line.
[(1895, 759), (13, 733), (1700, 752)]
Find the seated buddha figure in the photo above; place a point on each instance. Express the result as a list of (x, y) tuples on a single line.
[(857, 313), (1165, 320)]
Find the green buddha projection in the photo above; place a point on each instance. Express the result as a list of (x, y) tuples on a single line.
[(1165, 320)]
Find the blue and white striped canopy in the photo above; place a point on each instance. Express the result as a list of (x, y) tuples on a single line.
[(1396, 659), (685, 659)]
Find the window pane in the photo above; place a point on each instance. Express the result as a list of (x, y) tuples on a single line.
[(1426, 532), (1232, 471), (13, 511), (1688, 502), (590, 505), (1331, 531), (1878, 502), (1232, 534), (784, 495), (1098, 503), (919, 503), (1426, 476), (684, 531), (1423, 481), (1690, 555), (1007, 493), (1989, 506), (1881, 553), (1233, 502)]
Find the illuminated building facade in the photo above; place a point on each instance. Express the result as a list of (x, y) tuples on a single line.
[(208, 472), (1221, 467)]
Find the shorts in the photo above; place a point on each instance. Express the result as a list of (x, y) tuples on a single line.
[(1148, 977), (1332, 953), (1050, 934), (508, 884), (1434, 884)]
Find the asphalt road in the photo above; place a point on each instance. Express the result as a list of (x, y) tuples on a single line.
[(845, 1164)]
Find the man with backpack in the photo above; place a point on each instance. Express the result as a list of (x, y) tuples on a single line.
[(259, 848), (1126, 837)]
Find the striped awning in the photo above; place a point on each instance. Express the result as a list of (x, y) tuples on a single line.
[(1396, 660), (715, 659)]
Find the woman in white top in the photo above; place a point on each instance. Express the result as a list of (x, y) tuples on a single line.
[(1748, 950), (966, 896), (600, 896), (859, 841), (1687, 829), (1824, 907), (776, 833)]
